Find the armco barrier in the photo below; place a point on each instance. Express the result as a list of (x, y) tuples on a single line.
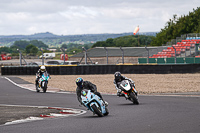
[(104, 69)]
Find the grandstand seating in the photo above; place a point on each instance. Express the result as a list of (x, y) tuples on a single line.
[(181, 47)]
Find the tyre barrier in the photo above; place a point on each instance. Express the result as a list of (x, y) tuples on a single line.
[(103, 69)]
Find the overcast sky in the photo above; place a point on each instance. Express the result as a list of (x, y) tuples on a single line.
[(71, 17)]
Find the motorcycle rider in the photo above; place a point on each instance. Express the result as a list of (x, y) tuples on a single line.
[(119, 78), (39, 74), (86, 85)]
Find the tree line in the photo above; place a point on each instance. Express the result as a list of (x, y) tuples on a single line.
[(33, 47), (29, 47), (176, 27), (126, 41)]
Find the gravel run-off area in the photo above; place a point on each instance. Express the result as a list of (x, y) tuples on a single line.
[(145, 83)]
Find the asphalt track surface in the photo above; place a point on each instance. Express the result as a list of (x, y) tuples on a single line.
[(155, 114)]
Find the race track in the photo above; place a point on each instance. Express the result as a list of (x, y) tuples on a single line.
[(155, 114)]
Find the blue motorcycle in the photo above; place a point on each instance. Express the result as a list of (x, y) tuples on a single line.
[(94, 103), (42, 82)]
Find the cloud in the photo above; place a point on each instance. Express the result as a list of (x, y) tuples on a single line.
[(79, 12), (88, 16)]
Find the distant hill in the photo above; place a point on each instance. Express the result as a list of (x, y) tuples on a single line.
[(57, 40), (37, 35)]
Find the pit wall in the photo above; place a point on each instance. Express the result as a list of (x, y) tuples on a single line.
[(104, 69)]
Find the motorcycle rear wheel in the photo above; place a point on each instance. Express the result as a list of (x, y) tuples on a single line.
[(134, 98), (97, 111)]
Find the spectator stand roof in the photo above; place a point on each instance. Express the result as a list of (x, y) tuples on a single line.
[(117, 52)]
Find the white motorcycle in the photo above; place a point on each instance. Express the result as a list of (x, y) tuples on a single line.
[(128, 91)]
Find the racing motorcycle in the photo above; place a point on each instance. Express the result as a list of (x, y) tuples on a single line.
[(42, 82), (128, 91), (94, 103)]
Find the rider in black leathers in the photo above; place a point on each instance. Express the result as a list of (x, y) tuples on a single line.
[(86, 85), (118, 79)]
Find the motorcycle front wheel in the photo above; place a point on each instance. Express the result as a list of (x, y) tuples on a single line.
[(45, 87), (107, 112), (96, 110), (37, 90), (134, 98)]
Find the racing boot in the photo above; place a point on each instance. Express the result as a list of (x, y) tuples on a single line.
[(119, 94), (106, 103)]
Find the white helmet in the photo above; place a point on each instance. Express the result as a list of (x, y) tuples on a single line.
[(43, 68)]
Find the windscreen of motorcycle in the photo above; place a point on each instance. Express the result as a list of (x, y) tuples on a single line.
[(84, 92), (45, 76), (125, 85)]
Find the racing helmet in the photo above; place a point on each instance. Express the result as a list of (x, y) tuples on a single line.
[(118, 76), (79, 82), (43, 68)]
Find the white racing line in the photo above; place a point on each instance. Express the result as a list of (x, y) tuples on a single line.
[(17, 84), (65, 112), (31, 89)]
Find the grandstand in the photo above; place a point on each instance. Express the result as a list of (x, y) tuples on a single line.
[(184, 48)]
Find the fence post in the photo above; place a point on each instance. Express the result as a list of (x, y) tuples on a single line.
[(63, 55), (148, 54), (106, 54), (85, 55), (175, 53), (122, 54), (20, 57), (42, 57)]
